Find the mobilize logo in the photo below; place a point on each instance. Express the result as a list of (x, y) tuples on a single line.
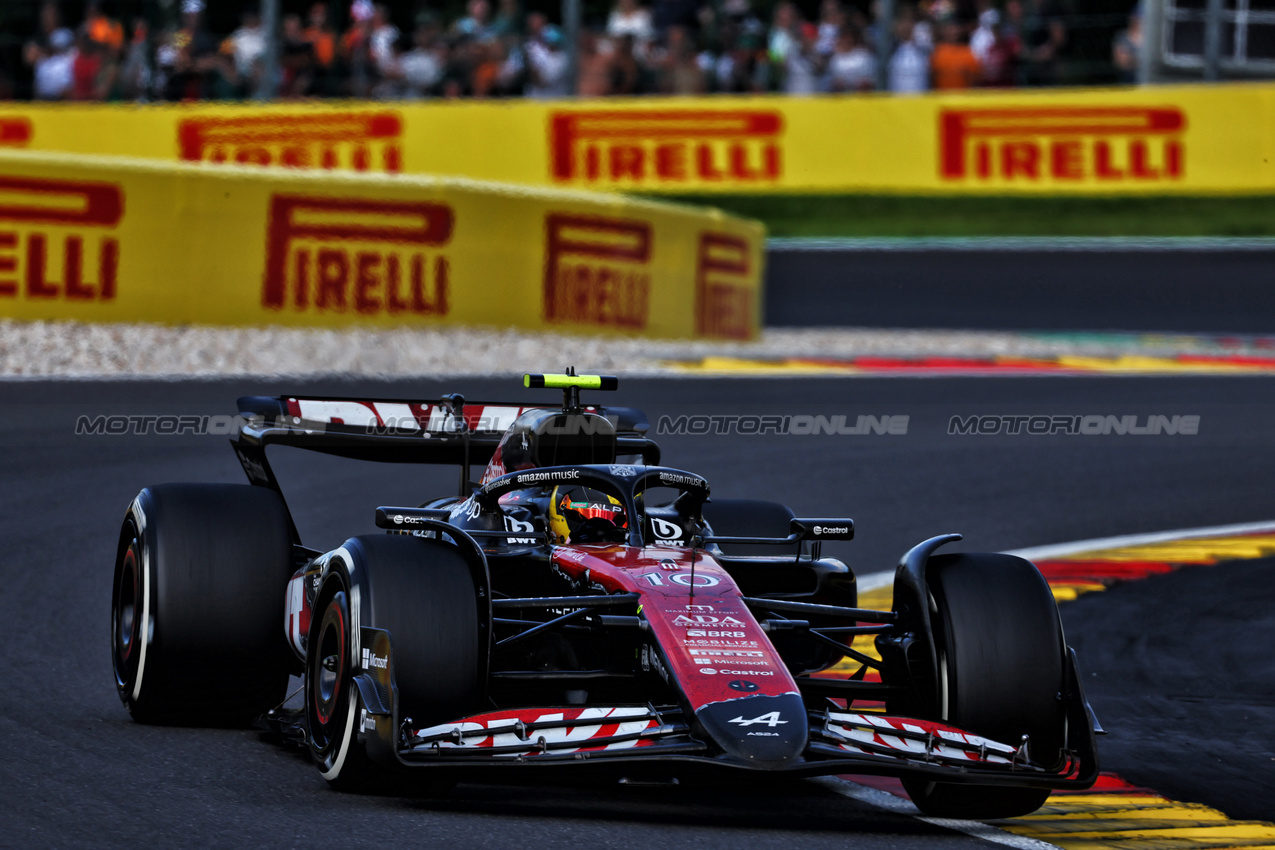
[(374, 257), (56, 239), (371, 661), (725, 301), (363, 141), (597, 270), (1062, 144), (665, 147)]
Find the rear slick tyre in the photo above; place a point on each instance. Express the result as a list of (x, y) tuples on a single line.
[(201, 572), (1001, 671)]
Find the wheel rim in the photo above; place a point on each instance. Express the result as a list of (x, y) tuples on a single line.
[(328, 673), (126, 620)]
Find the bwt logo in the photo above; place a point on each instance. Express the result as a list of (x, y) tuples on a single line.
[(675, 146), (725, 302), (368, 141), (597, 270), (58, 243), (369, 256), (1062, 144)]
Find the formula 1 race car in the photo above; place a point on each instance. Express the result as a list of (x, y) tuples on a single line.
[(583, 608)]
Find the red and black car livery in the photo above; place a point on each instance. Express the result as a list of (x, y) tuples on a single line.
[(671, 634)]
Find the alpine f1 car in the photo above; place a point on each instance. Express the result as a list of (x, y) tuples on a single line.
[(583, 608)]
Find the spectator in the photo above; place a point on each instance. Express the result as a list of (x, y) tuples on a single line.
[(953, 63), (323, 50), (477, 22), (909, 69), (103, 31), (1126, 49), (594, 66), (852, 67), (804, 65), (422, 66), (679, 66), (984, 36), (628, 18), (248, 45), (666, 14), (783, 37), (832, 20), (54, 63), (88, 69), (508, 22), (296, 59), (626, 71), (740, 68), (670, 46), (1043, 36), (356, 46), (382, 47), (546, 63), (136, 74), (195, 60)]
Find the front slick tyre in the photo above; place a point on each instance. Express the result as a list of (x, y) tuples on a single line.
[(1001, 669), (423, 593)]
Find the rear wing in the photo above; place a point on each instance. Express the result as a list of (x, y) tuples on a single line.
[(447, 431)]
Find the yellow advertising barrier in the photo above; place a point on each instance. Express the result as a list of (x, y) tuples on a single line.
[(111, 240), (1170, 139)]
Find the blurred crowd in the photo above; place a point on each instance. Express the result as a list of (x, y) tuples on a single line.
[(667, 47)]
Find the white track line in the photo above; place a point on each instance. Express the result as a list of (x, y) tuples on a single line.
[(1024, 243), (878, 580), (1060, 550), (887, 801)]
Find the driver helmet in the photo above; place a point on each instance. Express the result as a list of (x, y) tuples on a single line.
[(584, 515)]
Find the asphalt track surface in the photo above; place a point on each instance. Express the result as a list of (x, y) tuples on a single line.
[(74, 770), (1202, 291)]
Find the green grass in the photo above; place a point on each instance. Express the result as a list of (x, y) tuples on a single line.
[(896, 215)]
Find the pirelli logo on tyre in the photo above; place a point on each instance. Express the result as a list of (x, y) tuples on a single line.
[(58, 239), (1116, 145), (362, 141), (666, 147), (597, 270), (725, 294), (357, 255)]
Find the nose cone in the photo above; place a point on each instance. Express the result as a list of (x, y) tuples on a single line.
[(766, 731)]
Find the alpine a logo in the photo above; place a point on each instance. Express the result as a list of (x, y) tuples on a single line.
[(770, 719), (667, 147), (1062, 144)]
